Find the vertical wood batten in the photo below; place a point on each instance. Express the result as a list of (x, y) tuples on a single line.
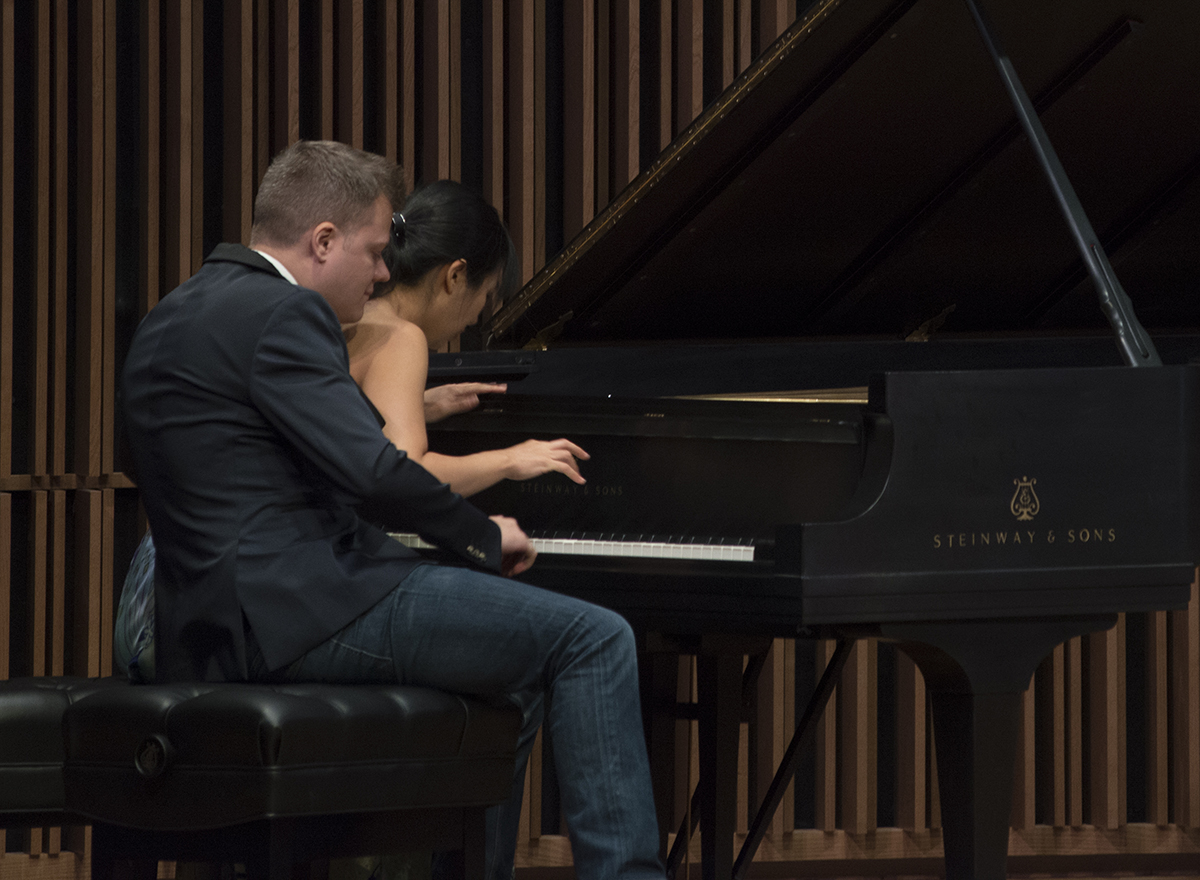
[(440, 122), (727, 43), (775, 16), (261, 70), (745, 32), (534, 782), (108, 602), (408, 90), (539, 135), (666, 66), (768, 731), (57, 580), (911, 745), (1024, 815), (285, 75), (579, 115), (388, 75), (1158, 781), (88, 587), (7, 177), (62, 241), (1106, 690), (626, 93), (327, 68), (182, 133), (90, 235), (859, 737), (1075, 758), (238, 128), (602, 137), (689, 62), (151, 167), (6, 621), (687, 742), (493, 102), (787, 810), (825, 778), (108, 289), (43, 169), (456, 90), (521, 206), (1185, 703), (35, 584), (1050, 687), (349, 89)]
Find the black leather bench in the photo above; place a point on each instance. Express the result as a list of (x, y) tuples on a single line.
[(31, 746), (272, 776)]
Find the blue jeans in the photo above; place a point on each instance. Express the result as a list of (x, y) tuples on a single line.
[(572, 662)]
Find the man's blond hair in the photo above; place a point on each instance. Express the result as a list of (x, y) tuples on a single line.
[(312, 182)]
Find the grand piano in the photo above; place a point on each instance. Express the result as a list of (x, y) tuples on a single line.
[(838, 358)]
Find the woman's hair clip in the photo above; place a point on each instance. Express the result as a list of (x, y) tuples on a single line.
[(398, 225)]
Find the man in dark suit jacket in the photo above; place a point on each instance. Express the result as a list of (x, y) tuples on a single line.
[(263, 470)]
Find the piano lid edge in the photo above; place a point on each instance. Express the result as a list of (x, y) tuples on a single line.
[(644, 185)]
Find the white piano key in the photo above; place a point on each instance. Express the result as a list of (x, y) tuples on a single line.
[(620, 548)]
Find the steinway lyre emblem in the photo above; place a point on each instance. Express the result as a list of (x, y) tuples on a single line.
[(1025, 504)]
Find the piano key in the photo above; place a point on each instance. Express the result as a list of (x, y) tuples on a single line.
[(626, 546)]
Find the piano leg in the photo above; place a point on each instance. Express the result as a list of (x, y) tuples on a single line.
[(723, 679), (660, 682), (975, 673), (719, 687)]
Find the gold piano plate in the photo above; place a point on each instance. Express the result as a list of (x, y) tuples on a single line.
[(855, 395)]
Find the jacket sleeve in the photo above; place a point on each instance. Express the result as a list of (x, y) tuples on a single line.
[(300, 382)]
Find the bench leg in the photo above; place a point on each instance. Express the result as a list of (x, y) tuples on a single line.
[(474, 844), (110, 861)]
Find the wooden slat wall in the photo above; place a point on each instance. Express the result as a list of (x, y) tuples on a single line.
[(126, 154)]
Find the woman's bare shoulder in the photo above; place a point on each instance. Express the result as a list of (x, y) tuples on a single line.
[(385, 342)]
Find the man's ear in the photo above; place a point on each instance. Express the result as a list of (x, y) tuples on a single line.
[(321, 239)]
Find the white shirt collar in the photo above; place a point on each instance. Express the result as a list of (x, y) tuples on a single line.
[(278, 265)]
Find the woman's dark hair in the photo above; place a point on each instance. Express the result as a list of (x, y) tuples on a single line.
[(445, 221)]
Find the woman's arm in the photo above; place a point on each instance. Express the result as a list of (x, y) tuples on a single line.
[(395, 382), (442, 401)]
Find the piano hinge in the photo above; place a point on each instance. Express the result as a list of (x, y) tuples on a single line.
[(543, 338)]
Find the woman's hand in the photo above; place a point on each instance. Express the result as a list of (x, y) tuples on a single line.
[(447, 400), (536, 457), (516, 550)]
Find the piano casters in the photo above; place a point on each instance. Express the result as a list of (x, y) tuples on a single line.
[(975, 673)]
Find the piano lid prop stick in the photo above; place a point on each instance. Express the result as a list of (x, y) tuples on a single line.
[(1136, 346)]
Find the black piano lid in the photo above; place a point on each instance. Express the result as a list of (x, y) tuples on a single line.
[(867, 176)]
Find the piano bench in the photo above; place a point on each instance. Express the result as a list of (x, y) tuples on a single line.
[(31, 746), (279, 776)]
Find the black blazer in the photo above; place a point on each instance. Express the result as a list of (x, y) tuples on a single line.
[(259, 464)]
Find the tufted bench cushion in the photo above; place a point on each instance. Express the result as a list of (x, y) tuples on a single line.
[(196, 756), (31, 744)]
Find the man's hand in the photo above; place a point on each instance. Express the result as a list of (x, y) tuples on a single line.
[(447, 400), (516, 550)]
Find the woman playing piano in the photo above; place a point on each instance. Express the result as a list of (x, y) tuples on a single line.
[(452, 255)]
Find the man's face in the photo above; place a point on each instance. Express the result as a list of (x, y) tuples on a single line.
[(355, 263)]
